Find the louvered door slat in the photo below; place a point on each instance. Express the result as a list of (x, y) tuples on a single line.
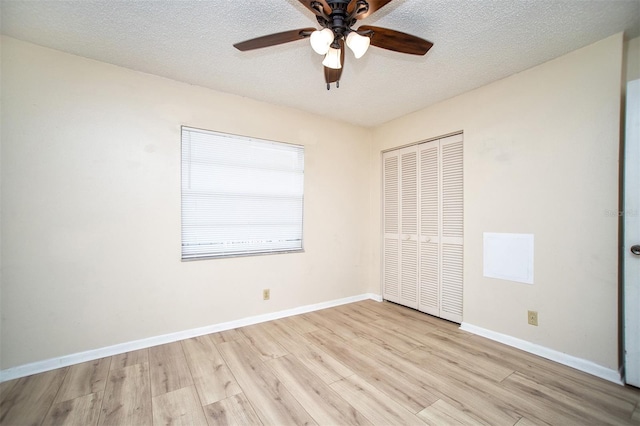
[(429, 280), (409, 188), (391, 270), (429, 191), (452, 190), (451, 262), (391, 195), (452, 272), (391, 220), (409, 227), (409, 274)]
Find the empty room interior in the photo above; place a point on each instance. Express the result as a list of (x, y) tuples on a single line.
[(320, 212)]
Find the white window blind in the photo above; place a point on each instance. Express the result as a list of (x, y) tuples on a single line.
[(240, 195)]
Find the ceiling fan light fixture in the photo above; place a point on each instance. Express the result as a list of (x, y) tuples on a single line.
[(321, 40), (358, 44), (332, 59)]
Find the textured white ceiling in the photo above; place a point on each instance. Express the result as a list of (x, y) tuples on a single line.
[(475, 42)]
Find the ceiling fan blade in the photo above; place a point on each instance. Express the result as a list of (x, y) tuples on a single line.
[(397, 41), (373, 6), (325, 6), (274, 39), (332, 75)]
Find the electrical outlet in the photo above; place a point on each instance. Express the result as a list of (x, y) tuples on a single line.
[(532, 317), (266, 294)]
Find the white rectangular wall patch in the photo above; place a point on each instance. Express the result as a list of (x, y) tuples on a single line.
[(508, 257)]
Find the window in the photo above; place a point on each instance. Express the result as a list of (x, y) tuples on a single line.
[(240, 196)]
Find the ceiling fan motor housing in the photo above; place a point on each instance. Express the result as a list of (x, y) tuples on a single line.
[(339, 20)]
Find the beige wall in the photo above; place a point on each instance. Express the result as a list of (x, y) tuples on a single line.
[(541, 157), (91, 208), (632, 56)]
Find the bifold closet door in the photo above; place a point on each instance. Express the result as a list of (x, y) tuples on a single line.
[(429, 282), (452, 227), (423, 227), (391, 226), (400, 210)]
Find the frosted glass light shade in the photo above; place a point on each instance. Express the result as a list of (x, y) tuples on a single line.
[(321, 40), (332, 59), (358, 44)]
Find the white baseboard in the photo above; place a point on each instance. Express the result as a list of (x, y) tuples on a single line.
[(559, 357), (67, 360)]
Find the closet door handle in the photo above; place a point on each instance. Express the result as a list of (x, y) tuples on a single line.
[(406, 237), (635, 249)]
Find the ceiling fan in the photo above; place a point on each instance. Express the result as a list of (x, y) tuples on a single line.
[(337, 17)]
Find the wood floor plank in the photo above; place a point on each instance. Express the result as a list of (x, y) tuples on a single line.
[(127, 397), (525, 362), (299, 324), (343, 351), (599, 392), (5, 387), (30, 398), (402, 314), (129, 358), (211, 375), (273, 403), (81, 411), (168, 368), (609, 396), (326, 320), (358, 313), (412, 369), (443, 413), (178, 408), (226, 336), (384, 337), (166, 351), (286, 337), (321, 402), (372, 403), (571, 406), (200, 347), (489, 400), (323, 365), (262, 343), (402, 389), (235, 410), (442, 348), (84, 379), (526, 422)]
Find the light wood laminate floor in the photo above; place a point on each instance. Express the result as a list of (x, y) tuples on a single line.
[(365, 363)]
